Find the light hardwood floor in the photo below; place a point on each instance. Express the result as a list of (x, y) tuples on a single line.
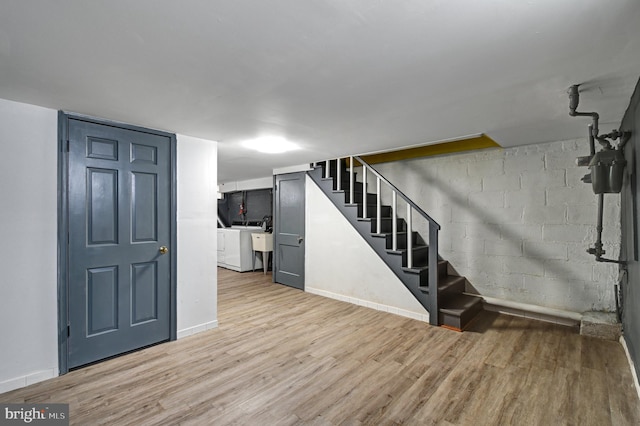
[(282, 356)]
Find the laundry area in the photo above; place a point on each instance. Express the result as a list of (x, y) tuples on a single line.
[(245, 230)]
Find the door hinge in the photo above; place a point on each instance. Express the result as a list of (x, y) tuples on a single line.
[(67, 146), (68, 330)]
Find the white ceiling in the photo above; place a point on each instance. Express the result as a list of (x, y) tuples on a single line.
[(338, 77)]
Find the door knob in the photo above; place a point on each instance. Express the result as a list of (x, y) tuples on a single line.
[(164, 250), (300, 239)]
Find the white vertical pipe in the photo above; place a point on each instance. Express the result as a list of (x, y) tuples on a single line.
[(378, 207), (394, 221), (409, 238), (364, 191), (326, 169), (339, 172), (351, 180)]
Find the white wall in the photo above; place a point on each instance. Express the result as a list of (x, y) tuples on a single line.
[(246, 185), (28, 230), (197, 235), (340, 264), (28, 253), (516, 222)]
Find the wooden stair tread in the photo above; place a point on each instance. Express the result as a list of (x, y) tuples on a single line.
[(449, 281), (459, 304), (404, 250), (418, 269), (446, 284), (415, 269)]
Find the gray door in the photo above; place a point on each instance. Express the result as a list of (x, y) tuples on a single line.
[(289, 229), (119, 214)]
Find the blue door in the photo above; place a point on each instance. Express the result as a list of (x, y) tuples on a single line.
[(288, 228), (119, 240)]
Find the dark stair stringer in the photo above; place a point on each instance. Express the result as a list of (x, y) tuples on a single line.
[(455, 309)]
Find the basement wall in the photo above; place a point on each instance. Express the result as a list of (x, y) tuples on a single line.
[(29, 235), (517, 222), (197, 287)]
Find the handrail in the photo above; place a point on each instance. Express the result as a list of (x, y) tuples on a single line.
[(400, 193)]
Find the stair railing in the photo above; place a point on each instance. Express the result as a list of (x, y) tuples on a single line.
[(434, 227), (412, 207)]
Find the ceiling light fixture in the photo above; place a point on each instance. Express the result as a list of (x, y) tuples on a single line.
[(270, 145)]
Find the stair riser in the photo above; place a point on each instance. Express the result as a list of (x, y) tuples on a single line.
[(453, 291), (462, 321), (444, 298), (443, 268), (423, 276), (371, 198), (344, 185), (345, 174), (420, 258), (386, 225), (385, 211), (402, 240)]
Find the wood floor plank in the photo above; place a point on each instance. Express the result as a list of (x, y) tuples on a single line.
[(281, 356)]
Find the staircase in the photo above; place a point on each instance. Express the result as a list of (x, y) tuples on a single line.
[(387, 233)]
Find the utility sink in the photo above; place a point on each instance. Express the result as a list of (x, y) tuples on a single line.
[(262, 241)]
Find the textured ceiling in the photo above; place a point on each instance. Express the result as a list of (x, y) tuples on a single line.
[(338, 77)]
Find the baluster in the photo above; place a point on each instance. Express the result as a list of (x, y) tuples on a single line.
[(364, 191), (326, 169), (351, 180), (394, 221), (409, 238), (339, 172), (378, 207)]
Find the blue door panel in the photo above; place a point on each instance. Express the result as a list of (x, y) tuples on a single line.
[(289, 229), (119, 212)]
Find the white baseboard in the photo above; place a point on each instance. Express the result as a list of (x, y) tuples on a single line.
[(29, 379), (377, 306), (631, 365), (197, 329), (540, 313), (525, 310)]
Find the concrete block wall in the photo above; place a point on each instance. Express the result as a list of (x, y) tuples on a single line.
[(517, 222)]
